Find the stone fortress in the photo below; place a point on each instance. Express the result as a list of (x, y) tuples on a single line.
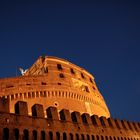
[(57, 100)]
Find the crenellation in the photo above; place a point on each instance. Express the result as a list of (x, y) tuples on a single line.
[(65, 115), (86, 118), (52, 113), (95, 120), (76, 117), (104, 122), (37, 110), (44, 105), (21, 108), (4, 104)]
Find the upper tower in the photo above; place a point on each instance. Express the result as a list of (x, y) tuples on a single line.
[(56, 82)]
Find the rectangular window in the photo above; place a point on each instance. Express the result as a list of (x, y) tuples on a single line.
[(59, 67), (82, 75), (86, 88), (72, 71), (61, 75)]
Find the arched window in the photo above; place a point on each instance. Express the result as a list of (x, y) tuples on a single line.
[(97, 137), (57, 136), (71, 136), (106, 137), (26, 134), (92, 137), (34, 135), (16, 134), (110, 138), (5, 134), (82, 137), (64, 136), (43, 135), (77, 137), (88, 138), (114, 138), (50, 135), (102, 138)]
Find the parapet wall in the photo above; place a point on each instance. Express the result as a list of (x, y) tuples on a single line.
[(62, 125)]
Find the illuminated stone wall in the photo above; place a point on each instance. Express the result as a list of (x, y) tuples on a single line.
[(55, 82), (61, 125)]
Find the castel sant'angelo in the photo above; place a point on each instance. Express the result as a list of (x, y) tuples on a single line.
[(57, 100)]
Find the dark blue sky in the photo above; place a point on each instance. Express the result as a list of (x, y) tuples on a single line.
[(102, 37)]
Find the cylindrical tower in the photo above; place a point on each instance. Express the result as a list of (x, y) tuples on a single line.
[(52, 81)]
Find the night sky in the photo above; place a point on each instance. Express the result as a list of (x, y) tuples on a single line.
[(102, 37)]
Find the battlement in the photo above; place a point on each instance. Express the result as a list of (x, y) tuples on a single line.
[(53, 124)]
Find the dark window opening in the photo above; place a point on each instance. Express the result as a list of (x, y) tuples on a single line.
[(88, 138), (64, 136), (5, 134), (59, 67), (45, 94), (93, 88), (82, 137), (26, 134), (34, 135), (12, 97), (59, 83), (102, 138), (9, 86), (43, 83), (91, 80), (20, 95), (84, 119), (16, 109), (50, 135), (77, 137), (82, 75), (92, 136), (61, 75), (16, 134), (86, 88), (29, 95), (41, 94), (110, 138), (28, 84), (57, 136), (72, 71), (106, 137), (114, 138), (71, 136), (43, 136), (97, 137)]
